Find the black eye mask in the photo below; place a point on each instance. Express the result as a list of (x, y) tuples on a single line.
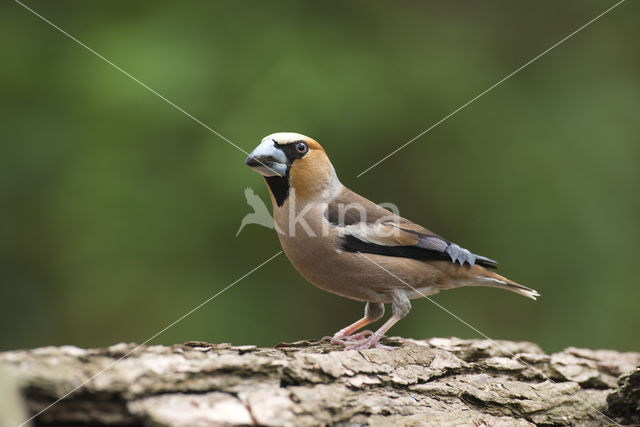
[(291, 151)]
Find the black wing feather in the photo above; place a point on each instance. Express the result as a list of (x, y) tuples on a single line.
[(430, 248)]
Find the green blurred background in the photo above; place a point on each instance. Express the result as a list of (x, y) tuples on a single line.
[(119, 213)]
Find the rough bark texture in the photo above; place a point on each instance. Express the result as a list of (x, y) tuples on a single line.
[(434, 382)]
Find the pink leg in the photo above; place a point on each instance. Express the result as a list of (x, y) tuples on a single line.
[(344, 336), (374, 340), (401, 306), (347, 336)]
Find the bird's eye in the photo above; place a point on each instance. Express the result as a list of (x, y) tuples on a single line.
[(301, 147)]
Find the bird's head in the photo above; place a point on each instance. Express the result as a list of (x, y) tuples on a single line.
[(294, 160)]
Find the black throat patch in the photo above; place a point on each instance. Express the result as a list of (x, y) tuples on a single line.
[(279, 186)]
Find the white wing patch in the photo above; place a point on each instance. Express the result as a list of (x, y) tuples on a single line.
[(377, 233)]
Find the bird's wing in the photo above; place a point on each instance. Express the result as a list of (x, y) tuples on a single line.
[(372, 229)]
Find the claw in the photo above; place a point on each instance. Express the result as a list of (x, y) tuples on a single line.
[(346, 343), (357, 337), (371, 342), (360, 341), (353, 339)]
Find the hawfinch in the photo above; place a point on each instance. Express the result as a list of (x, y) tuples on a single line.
[(348, 245)]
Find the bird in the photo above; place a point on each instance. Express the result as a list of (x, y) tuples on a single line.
[(260, 214), (345, 244)]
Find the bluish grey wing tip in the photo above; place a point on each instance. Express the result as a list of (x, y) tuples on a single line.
[(461, 256)]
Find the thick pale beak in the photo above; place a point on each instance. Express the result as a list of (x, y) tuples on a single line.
[(268, 160)]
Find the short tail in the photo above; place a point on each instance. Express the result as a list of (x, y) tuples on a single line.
[(494, 280), (508, 285), (480, 276)]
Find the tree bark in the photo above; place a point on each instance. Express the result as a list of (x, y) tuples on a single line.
[(440, 381)]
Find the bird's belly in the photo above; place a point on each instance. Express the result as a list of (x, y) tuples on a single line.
[(328, 272), (362, 277), (313, 248)]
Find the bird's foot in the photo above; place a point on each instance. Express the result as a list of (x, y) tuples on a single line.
[(371, 342), (351, 339), (348, 339)]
